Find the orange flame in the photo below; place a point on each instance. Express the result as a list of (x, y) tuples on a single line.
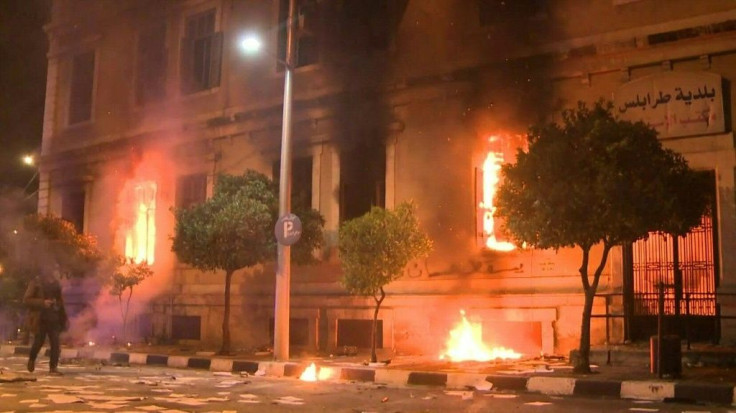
[(311, 373), (491, 171), (466, 344), (140, 238)]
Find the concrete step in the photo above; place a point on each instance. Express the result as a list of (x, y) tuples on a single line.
[(637, 355)]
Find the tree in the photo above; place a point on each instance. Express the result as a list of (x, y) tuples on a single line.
[(13, 276), (596, 180), (31, 243), (234, 230), (50, 240), (374, 250), (125, 274)]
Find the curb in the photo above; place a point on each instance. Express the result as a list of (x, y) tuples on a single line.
[(653, 390)]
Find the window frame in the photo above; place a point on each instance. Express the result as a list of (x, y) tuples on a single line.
[(70, 120), (194, 34), (140, 64), (186, 183)]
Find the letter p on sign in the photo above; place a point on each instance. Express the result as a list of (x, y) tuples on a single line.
[(288, 229)]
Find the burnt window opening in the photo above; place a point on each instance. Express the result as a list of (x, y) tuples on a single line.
[(298, 331), (362, 179), (301, 182), (72, 208), (81, 87), (306, 45), (355, 332), (201, 53), (366, 25), (498, 12), (186, 327), (151, 64), (191, 190)]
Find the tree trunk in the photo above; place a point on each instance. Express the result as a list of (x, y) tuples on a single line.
[(122, 316), (125, 316), (581, 364), (374, 330), (225, 349)]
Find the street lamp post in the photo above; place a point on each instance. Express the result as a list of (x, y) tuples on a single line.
[(252, 44), (283, 261)]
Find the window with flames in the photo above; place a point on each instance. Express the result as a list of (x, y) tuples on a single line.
[(140, 231), (489, 233)]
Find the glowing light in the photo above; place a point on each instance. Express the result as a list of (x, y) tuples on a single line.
[(91, 343), (466, 344), (251, 44), (312, 373), (140, 238), (491, 178), (28, 160)]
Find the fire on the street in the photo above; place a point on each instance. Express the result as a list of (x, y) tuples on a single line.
[(466, 344), (311, 373)]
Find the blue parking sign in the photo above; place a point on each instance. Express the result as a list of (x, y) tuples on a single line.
[(288, 229)]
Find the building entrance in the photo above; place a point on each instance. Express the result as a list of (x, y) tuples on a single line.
[(688, 268)]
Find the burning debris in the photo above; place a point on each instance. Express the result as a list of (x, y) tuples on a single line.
[(313, 373), (466, 344)]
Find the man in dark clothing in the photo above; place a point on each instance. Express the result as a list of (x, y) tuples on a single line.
[(47, 317)]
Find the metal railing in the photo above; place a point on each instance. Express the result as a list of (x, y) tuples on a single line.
[(660, 313)]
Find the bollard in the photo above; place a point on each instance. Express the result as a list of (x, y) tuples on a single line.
[(671, 357)]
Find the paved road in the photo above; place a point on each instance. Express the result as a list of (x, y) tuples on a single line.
[(90, 387)]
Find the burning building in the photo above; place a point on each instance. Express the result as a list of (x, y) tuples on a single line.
[(148, 101)]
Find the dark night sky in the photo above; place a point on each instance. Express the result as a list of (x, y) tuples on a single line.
[(23, 48)]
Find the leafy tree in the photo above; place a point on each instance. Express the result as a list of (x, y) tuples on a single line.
[(594, 179), (56, 241), (311, 239), (31, 243), (374, 250), (13, 279), (125, 274), (234, 230)]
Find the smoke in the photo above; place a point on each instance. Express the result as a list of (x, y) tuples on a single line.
[(14, 205), (137, 226)]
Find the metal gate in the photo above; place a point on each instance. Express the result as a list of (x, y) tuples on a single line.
[(690, 307)]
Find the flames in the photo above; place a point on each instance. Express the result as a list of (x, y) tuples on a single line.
[(466, 344), (140, 236), (312, 373), (491, 177), (491, 169)]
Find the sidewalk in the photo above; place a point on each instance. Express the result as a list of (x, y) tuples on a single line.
[(629, 377)]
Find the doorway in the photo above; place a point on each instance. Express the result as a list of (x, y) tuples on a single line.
[(690, 307)]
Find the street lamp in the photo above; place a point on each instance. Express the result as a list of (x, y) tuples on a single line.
[(252, 44), (30, 160)]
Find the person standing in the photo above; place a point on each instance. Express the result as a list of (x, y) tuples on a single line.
[(47, 317)]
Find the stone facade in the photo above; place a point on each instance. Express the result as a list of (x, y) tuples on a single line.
[(391, 107)]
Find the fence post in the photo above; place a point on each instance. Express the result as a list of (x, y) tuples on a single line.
[(660, 316), (687, 319)]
